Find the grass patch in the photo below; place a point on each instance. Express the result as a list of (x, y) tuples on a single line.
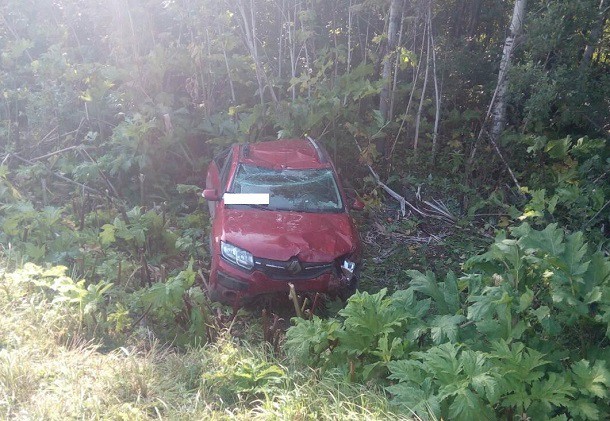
[(52, 367)]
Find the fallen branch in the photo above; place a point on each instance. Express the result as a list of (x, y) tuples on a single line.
[(403, 202), (596, 215), (61, 177), (56, 152), (510, 171), (440, 211), (102, 174)]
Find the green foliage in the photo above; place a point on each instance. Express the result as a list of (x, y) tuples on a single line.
[(564, 278), (462, 382), (373, 330), (37, 235), (521, 332), (242, 377), (87, 302), (180, 310), (143, 231), (49, 369), (129, 102), (571, 187)]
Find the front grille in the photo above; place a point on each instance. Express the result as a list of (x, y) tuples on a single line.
[(291, 270)]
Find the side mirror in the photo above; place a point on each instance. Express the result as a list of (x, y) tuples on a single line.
[(358, 205), (211, 195)]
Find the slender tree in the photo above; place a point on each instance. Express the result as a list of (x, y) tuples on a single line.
[(396, 7), (499, 106), (596, 34)]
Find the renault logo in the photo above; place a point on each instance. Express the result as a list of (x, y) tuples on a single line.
[(294, 267)]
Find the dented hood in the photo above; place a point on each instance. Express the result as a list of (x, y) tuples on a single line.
[(281, 235)]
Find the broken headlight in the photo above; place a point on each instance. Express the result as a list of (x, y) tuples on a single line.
[(348, 268), (236, 255)]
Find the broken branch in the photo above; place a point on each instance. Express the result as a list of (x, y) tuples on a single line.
[(403, 202)]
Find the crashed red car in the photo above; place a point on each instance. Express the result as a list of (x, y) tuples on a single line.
[(279, 216)]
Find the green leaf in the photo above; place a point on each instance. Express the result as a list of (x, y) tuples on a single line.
[(584, 409), (549, 240), (592, 381), (310, 339), (525, 301), (407, 370), (416, 398), (367, 318), (556, 391), (598, 271), (558, 148), (107, 235), (442, 362), (445, 294), (468, 406), (571, 260), (445, 327)]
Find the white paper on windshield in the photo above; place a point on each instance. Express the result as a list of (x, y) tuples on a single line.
[(246, 198)]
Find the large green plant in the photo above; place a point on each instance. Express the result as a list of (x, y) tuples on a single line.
[(571, 186), (523, 332)]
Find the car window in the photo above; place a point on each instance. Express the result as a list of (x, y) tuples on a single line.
[(221, 157), (308, 190), (225, 165)]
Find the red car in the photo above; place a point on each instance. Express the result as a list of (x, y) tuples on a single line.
[(279, 216)]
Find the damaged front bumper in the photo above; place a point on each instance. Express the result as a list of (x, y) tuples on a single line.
[(232, 285)]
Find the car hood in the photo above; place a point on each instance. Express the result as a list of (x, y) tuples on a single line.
[(277, 235)]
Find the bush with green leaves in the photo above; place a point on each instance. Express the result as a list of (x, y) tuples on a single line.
[(51, 289), (177, 308), (524, 332), (37, 235), (571, 186), (241, 377)]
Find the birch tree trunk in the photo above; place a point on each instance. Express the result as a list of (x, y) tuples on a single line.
[(499, 108), (437, 92), (396, 7), (396, 66), (403, 124), (251, 41), (423, 89)]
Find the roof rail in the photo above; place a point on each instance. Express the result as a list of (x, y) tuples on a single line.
[(245, 150), (321, 155)]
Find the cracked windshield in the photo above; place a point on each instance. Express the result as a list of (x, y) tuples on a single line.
[(289, 189)]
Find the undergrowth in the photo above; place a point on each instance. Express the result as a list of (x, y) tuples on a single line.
[(53, 366), (523, 332)]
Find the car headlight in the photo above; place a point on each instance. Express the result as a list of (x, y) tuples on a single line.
[(348, 268), (236, 255)]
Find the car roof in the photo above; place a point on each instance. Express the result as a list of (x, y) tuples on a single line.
[(285, 153)]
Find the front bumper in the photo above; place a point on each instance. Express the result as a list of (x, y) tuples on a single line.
[(232, 285)]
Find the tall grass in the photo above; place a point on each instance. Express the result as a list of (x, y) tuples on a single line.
[(53, 368)]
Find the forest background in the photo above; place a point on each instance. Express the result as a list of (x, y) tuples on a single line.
[(489, 119)]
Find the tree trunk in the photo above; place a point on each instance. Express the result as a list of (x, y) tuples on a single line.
[(403, 123), (596, 34), (499, 107), (348, 67), (396, 66), (437, 93), (249, 30), (423, 89), (396, 7)]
